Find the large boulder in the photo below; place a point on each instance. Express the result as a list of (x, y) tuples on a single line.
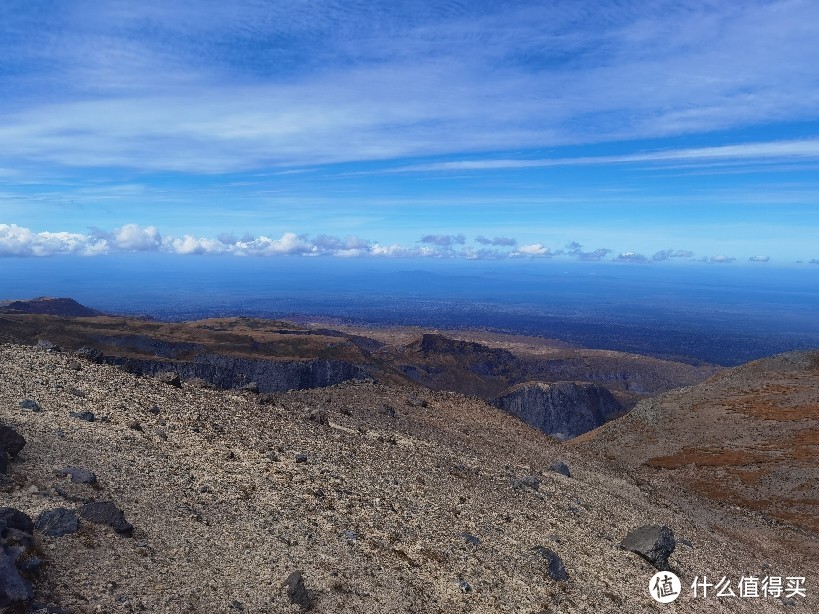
[(561, 409), (654, 543)]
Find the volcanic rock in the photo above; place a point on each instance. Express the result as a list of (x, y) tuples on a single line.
[(58, 522), (105, 512), (11, 441), (653, 542)]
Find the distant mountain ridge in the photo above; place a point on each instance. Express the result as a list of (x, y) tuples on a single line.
[(276, 356), (47, 305)]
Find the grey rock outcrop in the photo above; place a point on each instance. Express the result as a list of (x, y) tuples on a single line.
[(562, 409), (653, 542)]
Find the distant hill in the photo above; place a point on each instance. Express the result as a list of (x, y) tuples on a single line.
[(64, 307)]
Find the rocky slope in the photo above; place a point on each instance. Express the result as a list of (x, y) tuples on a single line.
[(385, 499), (747, 437)]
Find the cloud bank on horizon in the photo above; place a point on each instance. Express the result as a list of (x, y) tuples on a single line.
[(536, 122), (22, 242)]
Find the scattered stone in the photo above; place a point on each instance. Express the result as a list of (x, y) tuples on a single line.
[(471, 539), (45, 344), (654, 543), (198, 382), (388, 410), (15, 519), (86, 416), (58, 522), (267, 398), (561, 468), (14, 589), (135, 426), (301, 458), (251, 387), (529, 481), (319, 415), (105, 512), (554, 564), (414, 400), (77, 392), (154, 409), (79, 475), (273, 457), (90, 354), (296, 591), (171, 378), (30, 405), (73, 365), (11, 441), (465, 586), (350, 535)]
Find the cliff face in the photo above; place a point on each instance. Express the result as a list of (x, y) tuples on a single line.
[(563, 409), (231, 372)]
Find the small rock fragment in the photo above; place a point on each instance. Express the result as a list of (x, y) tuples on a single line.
[(171, 378), (471, 539), (135, 426), (319, 416), (301, 458), (414, 400), (388, 411), (554, 564), (529, 481), (58, 522), (465, 586), (296, 591), (154, 409), (654, 543), (30, 405), (105, 512), (86, 416), (561, 468), (45, 344), (11, 440), (90, 354), (73, 365), (79, 475), (267, 398), (252, 387)]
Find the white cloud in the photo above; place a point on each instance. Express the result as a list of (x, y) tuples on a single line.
[(631, 257), (18, 241), (759, 258), (132, 237), (535, 249)]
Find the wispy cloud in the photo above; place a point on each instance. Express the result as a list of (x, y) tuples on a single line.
[(771, 151), (169, 86)]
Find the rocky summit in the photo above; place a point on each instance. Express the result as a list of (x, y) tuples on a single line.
[(356, 497)]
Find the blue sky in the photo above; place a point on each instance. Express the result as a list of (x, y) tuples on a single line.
[(636, 131)]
